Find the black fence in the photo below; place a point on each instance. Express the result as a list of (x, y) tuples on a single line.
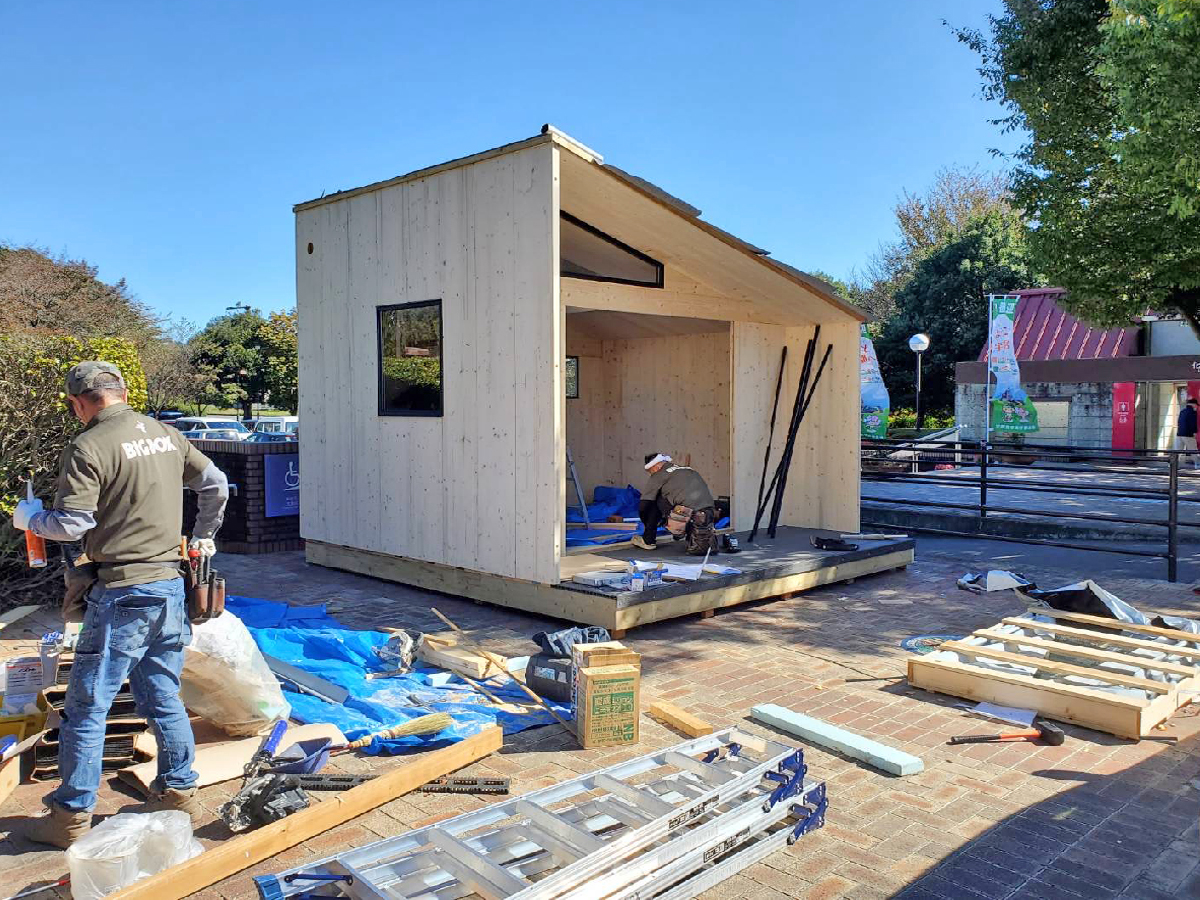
[(1156, 478)]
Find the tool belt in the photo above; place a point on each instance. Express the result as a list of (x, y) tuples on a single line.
[(204, 590), (678, 518)]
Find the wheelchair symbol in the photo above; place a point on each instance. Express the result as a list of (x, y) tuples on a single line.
[(291, 478)]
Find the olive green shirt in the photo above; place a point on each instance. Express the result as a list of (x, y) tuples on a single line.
[(128, 470), (679, 486)]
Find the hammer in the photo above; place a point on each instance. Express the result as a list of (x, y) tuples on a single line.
[(1042, 731)]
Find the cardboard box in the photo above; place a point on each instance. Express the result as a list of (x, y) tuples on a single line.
[(609, 703), (608, 653)]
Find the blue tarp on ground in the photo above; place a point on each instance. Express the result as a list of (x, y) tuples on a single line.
[(608, 501), (312, 640)]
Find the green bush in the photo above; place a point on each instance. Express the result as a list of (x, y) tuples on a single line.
[(420, 371), (907, 418), (35, 426)]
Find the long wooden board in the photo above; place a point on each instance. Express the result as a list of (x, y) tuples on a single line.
[(1117, 625), (245, 850)]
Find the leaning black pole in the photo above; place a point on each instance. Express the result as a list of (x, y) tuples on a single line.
[(782, 486), (763, 503), (762, 482), (805, 373)]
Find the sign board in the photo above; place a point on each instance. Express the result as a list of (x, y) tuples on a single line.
[(281, 472), (875, 400), (1124, 414), (1010, 408)]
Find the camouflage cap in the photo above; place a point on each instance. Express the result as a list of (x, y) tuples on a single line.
[(85, 376)]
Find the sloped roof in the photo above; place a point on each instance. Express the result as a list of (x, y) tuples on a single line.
[(1044, 330)]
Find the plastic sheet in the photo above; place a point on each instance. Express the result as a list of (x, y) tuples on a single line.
[(227, 681), (126, 847), (608, 501), (344, 657)]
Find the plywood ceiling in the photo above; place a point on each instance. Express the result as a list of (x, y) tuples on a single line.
[(610, 326)]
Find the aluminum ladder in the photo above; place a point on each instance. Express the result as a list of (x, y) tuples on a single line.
[(667, 821)]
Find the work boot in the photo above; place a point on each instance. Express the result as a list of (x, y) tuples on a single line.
[(641, 543), (58, 827), (173, 798)]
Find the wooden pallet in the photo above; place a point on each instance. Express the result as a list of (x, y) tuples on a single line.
[(1079, 644)]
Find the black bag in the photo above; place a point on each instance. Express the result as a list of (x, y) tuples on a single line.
[(205, 600)]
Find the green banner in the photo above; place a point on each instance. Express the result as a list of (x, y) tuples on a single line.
[(1011, 409)]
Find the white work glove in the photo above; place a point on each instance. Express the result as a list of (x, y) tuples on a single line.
[(206, 546), (25, 511)]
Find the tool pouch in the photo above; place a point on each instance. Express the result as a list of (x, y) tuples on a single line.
[(678, 518), (204, 600)]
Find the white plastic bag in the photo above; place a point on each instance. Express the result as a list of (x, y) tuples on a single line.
[(126, 847), (227, 681)]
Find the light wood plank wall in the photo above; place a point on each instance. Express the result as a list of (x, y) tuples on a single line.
[(823, 482), (480, 487), (668, 393)]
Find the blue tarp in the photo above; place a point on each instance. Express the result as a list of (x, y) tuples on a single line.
[(310, 639), (608, 501)]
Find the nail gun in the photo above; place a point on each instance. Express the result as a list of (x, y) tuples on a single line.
[(260, 796)]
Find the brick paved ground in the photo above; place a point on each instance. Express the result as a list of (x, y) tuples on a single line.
[(1097, 817)]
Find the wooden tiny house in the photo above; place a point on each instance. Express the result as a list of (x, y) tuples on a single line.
[(440, 312)]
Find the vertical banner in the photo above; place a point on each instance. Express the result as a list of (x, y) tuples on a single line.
[(1011, 409), (875, 400), (1124, 408)]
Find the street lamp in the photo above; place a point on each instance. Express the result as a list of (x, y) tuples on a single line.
[(244, 307), (918, 344)]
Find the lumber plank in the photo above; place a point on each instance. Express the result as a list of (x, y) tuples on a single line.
[(1075, 650), (1173, 633), (1096, 637), (445, 655), (679, 719), (245, 850), (1088, 707), (887, 759), (16, 614), (1059, 668)]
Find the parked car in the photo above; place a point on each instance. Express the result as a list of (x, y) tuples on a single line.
[(208, 423), (169, 415), (214, 434), (276, 424), (263, 437)]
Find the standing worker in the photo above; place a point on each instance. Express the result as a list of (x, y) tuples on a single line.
[(1185, 430), (120, 489), (678, 496)]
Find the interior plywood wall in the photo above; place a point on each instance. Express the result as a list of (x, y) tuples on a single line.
[(823, 482), (637, 395)]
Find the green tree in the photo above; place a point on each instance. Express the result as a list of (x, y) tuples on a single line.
[(1109, 93), (279, 340), (945, 298), (925, 223), (231, 349)]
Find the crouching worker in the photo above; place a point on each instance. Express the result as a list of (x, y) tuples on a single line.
[(120, 489), (677, 496)]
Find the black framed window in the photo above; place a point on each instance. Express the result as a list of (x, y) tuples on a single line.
[(410, 358), (572, 377), (587, 252)]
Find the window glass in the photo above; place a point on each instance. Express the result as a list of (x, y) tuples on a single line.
[(589, 253), (410, 359), (572, 377)]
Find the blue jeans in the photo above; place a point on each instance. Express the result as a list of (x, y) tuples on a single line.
[(139, 633)]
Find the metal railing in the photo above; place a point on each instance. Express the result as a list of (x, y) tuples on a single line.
[(943, 466)]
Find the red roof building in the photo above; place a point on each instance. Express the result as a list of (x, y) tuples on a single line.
[(1044, 330)]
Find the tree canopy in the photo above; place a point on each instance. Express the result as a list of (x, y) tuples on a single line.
[(1108, 92), (279, 336), (231, 348), (946, 298)]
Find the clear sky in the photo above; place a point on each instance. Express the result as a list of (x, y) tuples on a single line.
[(166, 142)]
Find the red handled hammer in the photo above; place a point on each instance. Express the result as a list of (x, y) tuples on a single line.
[(1046, 732)]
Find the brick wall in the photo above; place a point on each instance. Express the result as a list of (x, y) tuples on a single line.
[(247, 528)]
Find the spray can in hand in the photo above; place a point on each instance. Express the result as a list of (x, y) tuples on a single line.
[(35, 544)]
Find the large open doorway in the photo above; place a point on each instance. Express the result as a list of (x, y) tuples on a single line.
[(637, 384)]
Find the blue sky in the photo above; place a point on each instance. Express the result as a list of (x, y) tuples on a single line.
[(167, 142)]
